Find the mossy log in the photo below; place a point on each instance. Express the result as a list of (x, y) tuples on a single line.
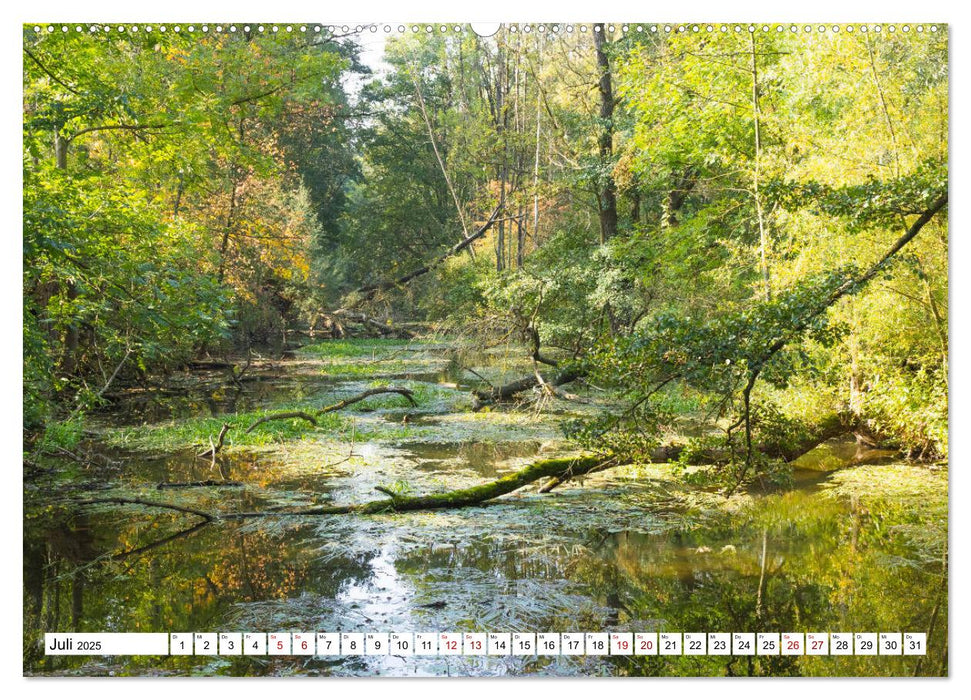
[(562, 467), (407, 393), (474, 495), (284, 415)]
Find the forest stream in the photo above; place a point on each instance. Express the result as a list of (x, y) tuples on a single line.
[(854, 542)]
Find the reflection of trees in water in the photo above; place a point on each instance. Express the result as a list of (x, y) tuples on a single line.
[(829, 565), (819, 574), (54, 580), (91, 573)]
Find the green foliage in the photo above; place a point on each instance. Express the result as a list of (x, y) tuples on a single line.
[(174, 185), (911, 406), (101, 267), (63, 434), (869, 204), (184, 191)]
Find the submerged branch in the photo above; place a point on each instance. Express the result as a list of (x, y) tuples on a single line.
[(150, 504), (214, 448)]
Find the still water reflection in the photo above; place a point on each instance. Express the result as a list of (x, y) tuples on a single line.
[(622, 551)]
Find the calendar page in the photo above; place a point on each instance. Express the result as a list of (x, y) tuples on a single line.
[(557, 349)]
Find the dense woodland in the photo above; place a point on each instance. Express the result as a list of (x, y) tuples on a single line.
[(755, 216), (654, 319)]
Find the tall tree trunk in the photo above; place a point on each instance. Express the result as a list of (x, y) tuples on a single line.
[(230, 219), (756, 115), (684, 182), (60, 149), (521, 241), (607, 195), (68, 363), (539, 133)]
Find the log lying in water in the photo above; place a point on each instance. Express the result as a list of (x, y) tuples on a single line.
[(198, 484), (496, 394), (558, 470), (474, 495), (407, 393)]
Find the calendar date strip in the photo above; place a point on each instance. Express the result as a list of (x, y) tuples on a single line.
[(405, 644)]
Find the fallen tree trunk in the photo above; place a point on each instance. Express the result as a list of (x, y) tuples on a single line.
[(195, 484), (368, 291), (381, 328), (497, 394), (208, 517), (474, 495), (558, 470)]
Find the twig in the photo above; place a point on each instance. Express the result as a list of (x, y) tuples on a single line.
[(213, 449), (114, 374), (469, 369)]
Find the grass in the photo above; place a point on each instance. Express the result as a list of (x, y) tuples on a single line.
[(196, 432), (355, 347), (368, 368), (64, 434), (175, 435)]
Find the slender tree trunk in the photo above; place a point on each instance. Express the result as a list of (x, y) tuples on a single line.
[(856, 374), (230, 219), (607, 195), (441, 163), (60, 150), (521, 242), (178, 198), (68, 363), (756, 113), (758, 595), (539, 133)]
